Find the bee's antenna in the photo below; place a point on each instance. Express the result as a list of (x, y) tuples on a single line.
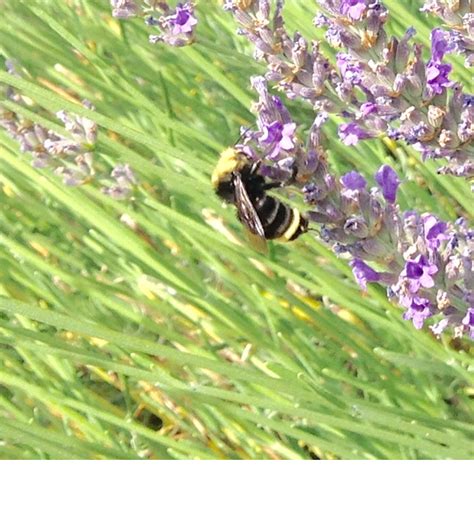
[(242, 135)]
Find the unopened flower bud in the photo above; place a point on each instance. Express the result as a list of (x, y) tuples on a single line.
[(435, 116), (447, 139), (357, 227)]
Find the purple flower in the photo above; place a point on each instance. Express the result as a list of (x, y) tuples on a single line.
[(279, 136), (183, 20), (123, 174), (352, 133), (124, 9), (363, 273), (353, 8), (468, 321), (353, 181), (439, 327), (420, 272), (437, 77), (418, 311), (440, 44), (177, 26), (368, 108), (435, 231), (388, 181), (79, 173), (122, 181), (351, 69)]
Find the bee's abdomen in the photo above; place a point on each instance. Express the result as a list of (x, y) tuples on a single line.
[(275, 216)]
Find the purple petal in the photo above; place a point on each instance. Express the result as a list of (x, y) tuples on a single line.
[(368, 108), (363, 273), (289, 129), (388, 182), (413, 270), (287, 143), (418, 320), (437, 77), (440, 44), (468, 319), (439, 327), (426, 280), (353, 8), (352, 133), (354, 181)]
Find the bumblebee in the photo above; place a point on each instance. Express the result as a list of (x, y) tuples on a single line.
[(236, 180)]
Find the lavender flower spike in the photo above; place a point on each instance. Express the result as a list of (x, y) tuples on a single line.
[(380, 86), (122, 182), (70, 157), (176, 26), (459, 17), (124, 9)]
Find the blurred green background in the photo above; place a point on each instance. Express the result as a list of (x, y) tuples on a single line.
[(165, 335)]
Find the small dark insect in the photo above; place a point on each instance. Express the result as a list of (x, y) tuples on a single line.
[(236, 180)]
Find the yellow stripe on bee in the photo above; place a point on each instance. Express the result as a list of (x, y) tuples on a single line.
[(293, 227), (230, 160)]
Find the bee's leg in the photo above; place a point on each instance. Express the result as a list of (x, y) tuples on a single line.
[(290, 181), (294, 173), (255, 167)]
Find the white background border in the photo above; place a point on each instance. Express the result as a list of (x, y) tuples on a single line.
[(349, 484)]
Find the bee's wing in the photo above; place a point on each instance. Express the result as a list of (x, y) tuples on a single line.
[(257, 242), (246, 210), (248, 215)]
